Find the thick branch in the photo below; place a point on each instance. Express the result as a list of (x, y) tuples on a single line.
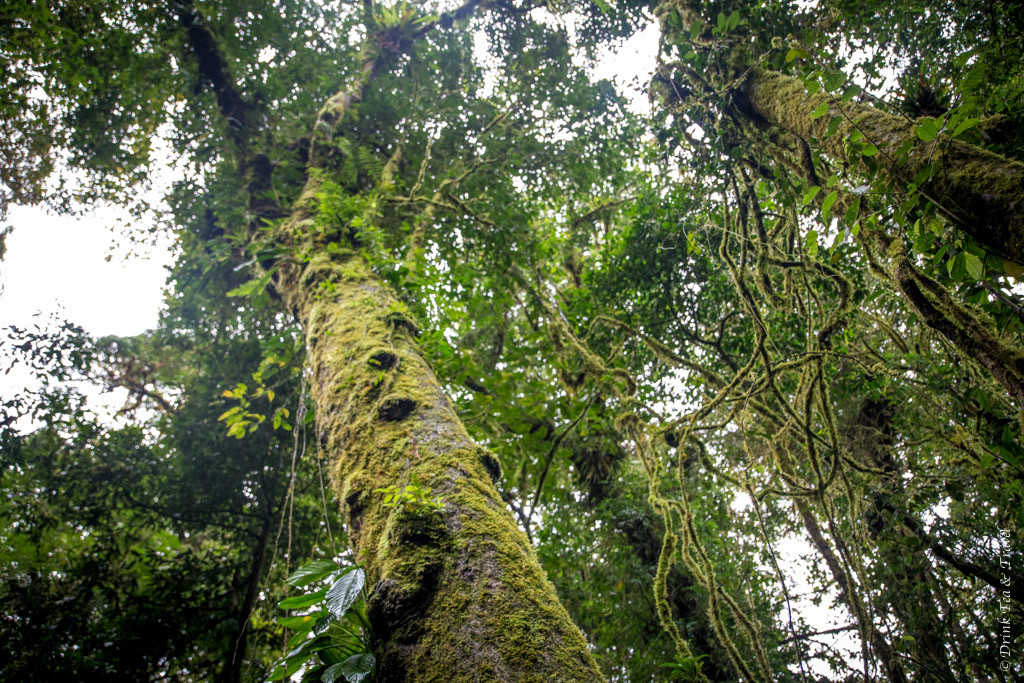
[(213, 68), (980, 191)]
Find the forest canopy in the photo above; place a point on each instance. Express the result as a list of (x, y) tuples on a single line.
[(472, 367)]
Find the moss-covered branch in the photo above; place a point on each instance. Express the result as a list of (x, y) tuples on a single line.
[(980, 191)]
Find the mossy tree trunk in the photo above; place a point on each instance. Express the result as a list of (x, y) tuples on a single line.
[(457, 593), (979, 191)]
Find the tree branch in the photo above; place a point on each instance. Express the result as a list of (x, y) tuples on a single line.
[(214, 69)]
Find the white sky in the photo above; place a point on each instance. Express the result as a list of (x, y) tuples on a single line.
[(67, 268), (59, 264)]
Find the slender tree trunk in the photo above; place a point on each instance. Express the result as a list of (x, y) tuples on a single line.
[(232, 672), (980, 191), (457, 594), (844, 583), (871, 439)]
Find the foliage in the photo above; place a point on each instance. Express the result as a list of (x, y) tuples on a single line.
[(411, 495), (336, 632), (761, 318)]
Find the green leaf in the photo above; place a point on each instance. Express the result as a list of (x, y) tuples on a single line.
[(332, 673), (322, 624), (297, 638), (836, 241), (869, 150), (345, 591), (796, 53), (811, 244), (734, 20), (303, 623), (833, 126), (723, 22), (811, 194), (358, 667), (905, 147), (851, 92), (974, 78), (820, 110), (695, 30), (834, 81), (314, 571), (300, 601), (293, 662), (1012, 269), (252, 287), (924, 174), (975, 268), (928, 130), (955, 266), (965, 126), (852, 212), (826, 205), (964, 57)]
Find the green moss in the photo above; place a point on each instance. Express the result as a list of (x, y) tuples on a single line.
[(457, 594), (979, 191)]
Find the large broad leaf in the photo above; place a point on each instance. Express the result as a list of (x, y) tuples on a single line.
[(355, 668), (294, 660), (303, 623), (322, 624), (332, 673), (314, 571), (300, 601), (345, 591)]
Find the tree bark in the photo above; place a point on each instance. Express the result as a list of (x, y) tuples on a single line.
[(980, 191), (239, 645), (458, 594)]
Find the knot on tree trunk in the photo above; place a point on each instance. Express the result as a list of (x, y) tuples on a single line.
[(396, 409), (412, 561)]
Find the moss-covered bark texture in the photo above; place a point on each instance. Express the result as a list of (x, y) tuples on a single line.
[(980, 191), (457, 594)]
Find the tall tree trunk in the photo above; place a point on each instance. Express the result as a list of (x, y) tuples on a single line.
[(458, 594)]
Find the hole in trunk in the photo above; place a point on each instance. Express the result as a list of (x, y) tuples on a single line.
[(396, 409)]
